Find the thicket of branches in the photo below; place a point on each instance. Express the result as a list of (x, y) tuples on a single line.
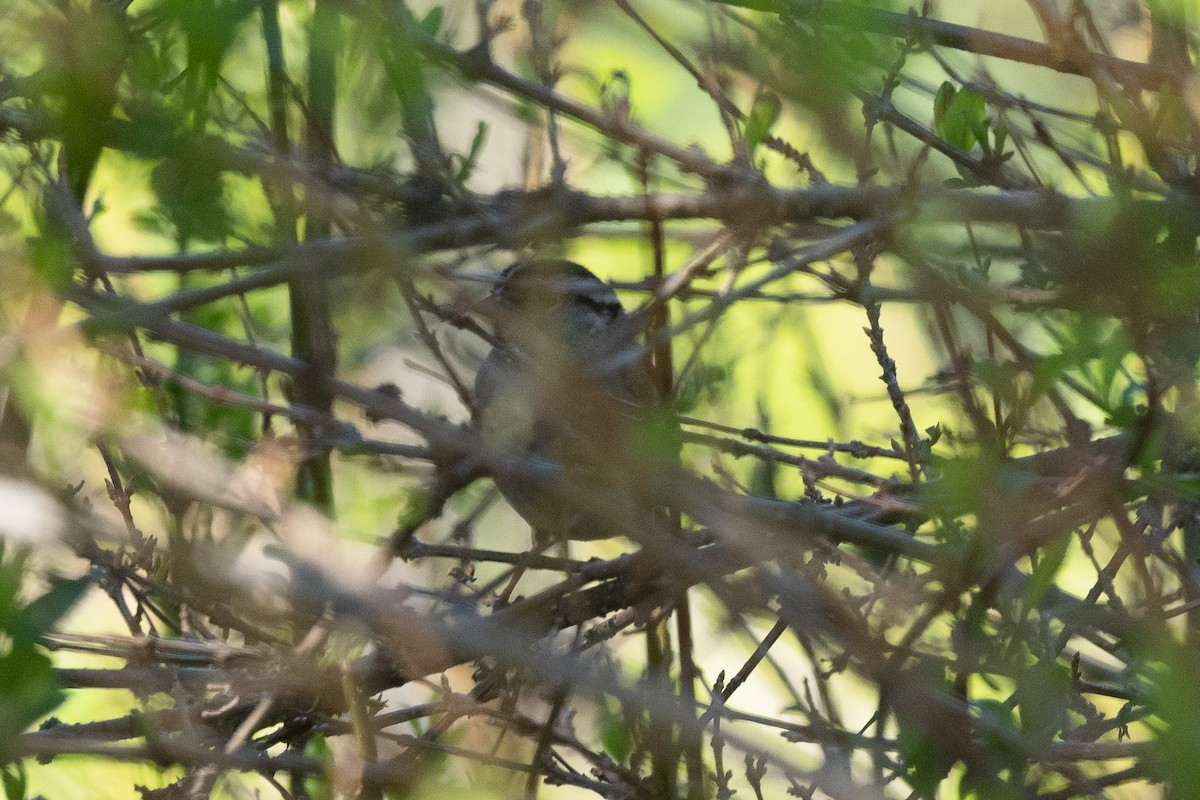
[(250, 539)]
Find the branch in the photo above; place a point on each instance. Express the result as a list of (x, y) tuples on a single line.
[(1135, 74)]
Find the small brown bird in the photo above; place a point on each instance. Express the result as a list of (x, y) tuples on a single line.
[(549, 389)]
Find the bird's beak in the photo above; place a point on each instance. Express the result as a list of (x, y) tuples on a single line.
[(486, 304)]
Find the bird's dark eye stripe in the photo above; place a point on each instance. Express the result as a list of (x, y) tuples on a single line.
[(606, 307)]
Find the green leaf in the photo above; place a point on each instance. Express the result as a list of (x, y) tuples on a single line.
[(926, 757), (941, 103), (703, 383), (762, 118), (657, 437), (11, 571), (764, 477), (1042, 695), (1124, 416), (1173, 683), (468, 163), (964, 118), (999, 138), (13, 778), (399, 54), (432, 22), (40, 616), (998, 713), (1001, 734), (210, 29), (1113, 354), (318, 786), (28, 691), (1049, 370), (191, 193), (615, 735), (1001, 377), (53, 258), (935, 433), (1049, 562)]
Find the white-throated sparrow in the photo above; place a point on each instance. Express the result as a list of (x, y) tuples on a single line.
[(547, 389)]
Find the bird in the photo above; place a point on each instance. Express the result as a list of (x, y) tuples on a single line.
[(554, 388)]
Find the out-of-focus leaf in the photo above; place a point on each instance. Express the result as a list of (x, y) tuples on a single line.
[(86, 67), (1124, 416), (615, 735), (999, 734), (702, 383), (964, 118), (11, 570), (234, 428), (28, 690), (210, 28), (1173, 683), (999, 138), (13, 778), (656, 437), (1001, 377), (1049, 370), (997, 713), (9, 224), (431, 23), (764, 472), (1115, 350), (28, 687), (40, 616), (1042, 698), (762, 118), (317, 787), (468, 163), (935, 433), (53, 259), (1050, 561), (399, 54), (941, 103), (145, 67), (191, 194), (927, 759)]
